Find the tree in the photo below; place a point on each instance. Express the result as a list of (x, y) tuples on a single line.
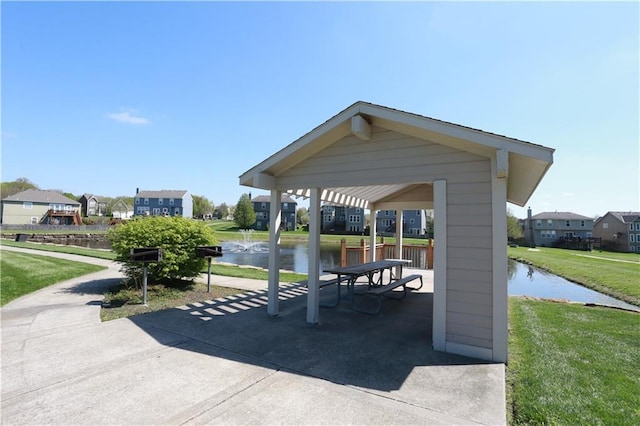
[(302, 216), (178, 238), (201, 206), (514, 230), (11, 188), (222, 211), (245, 215)]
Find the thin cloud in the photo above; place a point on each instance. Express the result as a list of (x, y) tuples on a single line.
[(129, 118)]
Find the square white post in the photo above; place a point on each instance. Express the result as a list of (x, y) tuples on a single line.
[(500, 166), (275, 212), (440, 265), (372, 234), (313, 292), (399, 231)]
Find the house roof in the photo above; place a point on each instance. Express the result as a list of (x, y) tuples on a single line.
[(624, 217), (560, 216), (267, 199), (164, 193), (527, 162), (41, 196)]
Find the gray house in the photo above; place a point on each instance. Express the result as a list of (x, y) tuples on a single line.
[(262, 206), (408, 161), (163, 203), (92, 205), (35, 206), (414, 222), (619, 231), (549, 229), (342, 219)]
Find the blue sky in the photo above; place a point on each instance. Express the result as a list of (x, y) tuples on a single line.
[(106, 97)]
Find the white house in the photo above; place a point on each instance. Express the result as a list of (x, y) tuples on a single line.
[(374, 157)]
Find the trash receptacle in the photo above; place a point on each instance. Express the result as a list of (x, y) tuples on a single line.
[(22, 238)]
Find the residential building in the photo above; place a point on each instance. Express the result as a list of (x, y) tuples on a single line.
[(35, 206), (548, 229), (619, 231), (163, 203), (92, 205), (262, 206), (414, 222), (342, 219), (121, 210)]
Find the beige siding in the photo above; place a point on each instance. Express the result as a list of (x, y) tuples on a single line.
[(16, 214), (469, 262)]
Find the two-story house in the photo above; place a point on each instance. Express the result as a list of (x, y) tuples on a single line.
[(121, 210), (262, 205), (92, 205), (619, 231), (35, 206), (414, 222), (547, 229), (163, 203), (342, 219)]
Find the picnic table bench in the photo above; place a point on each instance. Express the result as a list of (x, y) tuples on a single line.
[(379, 292)]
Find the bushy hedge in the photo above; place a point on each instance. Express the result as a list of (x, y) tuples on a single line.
[(178, 237)]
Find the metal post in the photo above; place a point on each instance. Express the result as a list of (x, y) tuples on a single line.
[(209, 276), (144, 286)]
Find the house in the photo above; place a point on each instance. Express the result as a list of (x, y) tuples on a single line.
[(549, 229), (163, 203), (342, 219), (121, 210), (262, 206), (414, 222), (620, 231), (379, 158), (92, 205), (35, 206)]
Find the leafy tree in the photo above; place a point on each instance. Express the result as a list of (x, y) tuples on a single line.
[(514, 230), (201, 206), (302, 216), (222, 211), (11, 188), (178, 238), (245, 215)]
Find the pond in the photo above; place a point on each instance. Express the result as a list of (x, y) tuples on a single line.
[(523, 280)]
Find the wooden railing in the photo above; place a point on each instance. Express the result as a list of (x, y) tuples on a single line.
[(421, 256)]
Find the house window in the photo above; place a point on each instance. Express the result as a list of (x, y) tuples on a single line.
[(354, 218), (417, 212), (549, 222), (156, 211), (176, 212), (165, 211), (34, 220), (548, 234), (568, 223), (263, 206), (582, 223), (538, 222), (137, 200), (160, 201), (358, 210), (285, 206), (171, 201), (386, 212), (638, 226), (632, 238), (412, 221), (27, 205), (605, 225), (146, 201)]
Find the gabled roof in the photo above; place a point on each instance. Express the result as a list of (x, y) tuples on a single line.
[(527, 162), (41, 196), (560, 216), (267, 199), (164, 193), (624, 217)]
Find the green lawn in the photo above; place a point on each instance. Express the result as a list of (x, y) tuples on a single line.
[(572, 365), (615, 274), (25, 273), (81, 251)]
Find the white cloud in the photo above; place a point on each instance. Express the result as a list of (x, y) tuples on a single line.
[(128, 117)]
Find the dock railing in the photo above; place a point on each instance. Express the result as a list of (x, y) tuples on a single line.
[(421, 256)]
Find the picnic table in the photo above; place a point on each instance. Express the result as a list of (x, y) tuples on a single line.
[(375, 285)]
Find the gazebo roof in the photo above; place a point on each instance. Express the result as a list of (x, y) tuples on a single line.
[(524, 163)]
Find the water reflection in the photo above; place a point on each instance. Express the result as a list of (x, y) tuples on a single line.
[(525, 280)]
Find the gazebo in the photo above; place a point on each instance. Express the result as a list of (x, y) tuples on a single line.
[(379, 158)]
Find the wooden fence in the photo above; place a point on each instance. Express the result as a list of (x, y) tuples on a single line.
[(421, 256)]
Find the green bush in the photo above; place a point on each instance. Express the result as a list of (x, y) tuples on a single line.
[(176, 236)]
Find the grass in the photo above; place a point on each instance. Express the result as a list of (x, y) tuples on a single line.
[(253, 273), (25, 273), (571, 364), (600, 271), (81, 251)]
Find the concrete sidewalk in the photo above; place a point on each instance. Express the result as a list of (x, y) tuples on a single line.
[(225, 361)]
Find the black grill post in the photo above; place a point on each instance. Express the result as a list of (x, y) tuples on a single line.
[(145, 255), (208, 252)]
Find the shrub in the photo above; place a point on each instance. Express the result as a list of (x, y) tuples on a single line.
[(176, 236)]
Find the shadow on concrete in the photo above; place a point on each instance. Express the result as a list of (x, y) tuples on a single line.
[(97, 287), (377, 352)]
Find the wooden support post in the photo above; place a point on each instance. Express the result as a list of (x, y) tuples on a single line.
[(343, 252)]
